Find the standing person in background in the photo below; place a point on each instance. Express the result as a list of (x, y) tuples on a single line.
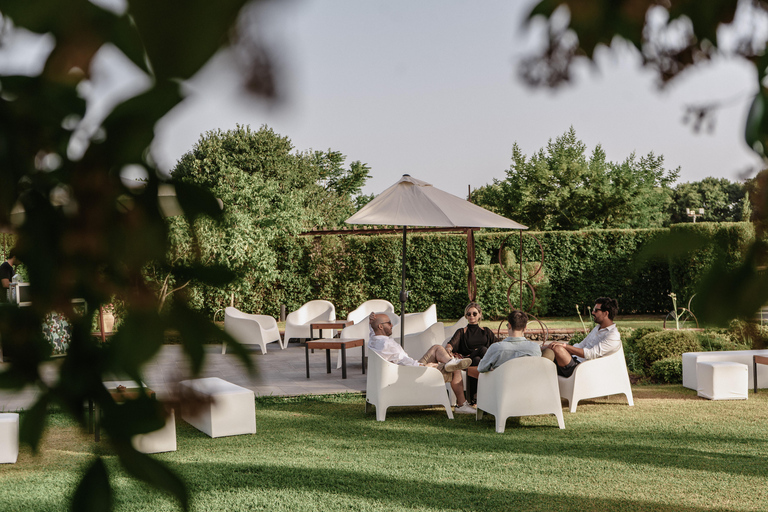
[(472, 342), (6, 275)]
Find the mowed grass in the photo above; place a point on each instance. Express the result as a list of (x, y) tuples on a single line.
[(671, 452)]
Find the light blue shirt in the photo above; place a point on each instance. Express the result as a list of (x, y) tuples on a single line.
[(501, 352)]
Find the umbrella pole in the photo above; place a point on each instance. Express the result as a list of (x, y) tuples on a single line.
[(403, 297)]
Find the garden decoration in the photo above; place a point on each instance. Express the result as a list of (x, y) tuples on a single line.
[(681, 315), (520, 281)]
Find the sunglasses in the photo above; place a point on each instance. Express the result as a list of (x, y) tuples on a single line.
[(473, 313)]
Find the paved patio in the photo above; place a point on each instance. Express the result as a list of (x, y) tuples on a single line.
[(278, 372)]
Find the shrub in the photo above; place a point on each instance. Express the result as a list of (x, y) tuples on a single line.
[(630, 341), (719, 339), (659, 345), (577, 337), (668, 370), (748, 333)]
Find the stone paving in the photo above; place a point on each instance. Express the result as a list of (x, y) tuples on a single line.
[(278, 372)]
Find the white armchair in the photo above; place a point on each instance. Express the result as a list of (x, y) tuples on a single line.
[(251, 329), (389, 384), (524, 386), (418, 322), (603, 376), (418, 343), (297, 322), (451, 329), (368, 307)]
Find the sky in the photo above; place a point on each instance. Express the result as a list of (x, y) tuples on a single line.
[(430, 88)]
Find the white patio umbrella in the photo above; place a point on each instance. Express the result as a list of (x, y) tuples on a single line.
[(412, 202)]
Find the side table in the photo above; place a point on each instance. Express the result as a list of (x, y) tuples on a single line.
[(335, 344), (338, 324), (756, 360)]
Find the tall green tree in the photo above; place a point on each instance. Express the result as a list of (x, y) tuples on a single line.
[(562, 188), (269, 191), (721, 199)]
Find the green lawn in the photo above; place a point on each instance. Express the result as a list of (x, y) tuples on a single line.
[(671, 452)]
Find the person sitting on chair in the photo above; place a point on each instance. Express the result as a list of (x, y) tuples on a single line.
[(603, 340), (472, 342), (382, 343), (514, 345)]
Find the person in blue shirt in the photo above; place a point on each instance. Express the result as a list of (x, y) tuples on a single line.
[(514, 345)]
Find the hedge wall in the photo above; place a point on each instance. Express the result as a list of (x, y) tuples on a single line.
[(578, 267)]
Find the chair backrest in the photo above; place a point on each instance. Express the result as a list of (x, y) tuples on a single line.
[(417, 344), (361, 329), (419, 322), (451, 329), (314, 310), (368, 307)]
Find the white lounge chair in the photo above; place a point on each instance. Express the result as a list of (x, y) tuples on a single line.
[(418, 322), (599, 377), (389, 385), (524, 386), (364, 310), (417, 344), (250, 329), (451, 329), (297, 322)]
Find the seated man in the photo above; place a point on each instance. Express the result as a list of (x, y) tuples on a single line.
[(514, 345), (603, 340), (382, 343)]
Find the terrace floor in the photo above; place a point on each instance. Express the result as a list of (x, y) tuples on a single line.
[(278, 372)]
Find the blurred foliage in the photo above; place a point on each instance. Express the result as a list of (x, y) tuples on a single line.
[(672, 37), (560, 188), (85, 234)]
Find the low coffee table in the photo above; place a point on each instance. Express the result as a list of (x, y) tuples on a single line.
[(335, 344), (338, 324), (756, 360), (131, 392)]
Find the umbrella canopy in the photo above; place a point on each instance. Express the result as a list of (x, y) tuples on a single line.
[(412, 202)]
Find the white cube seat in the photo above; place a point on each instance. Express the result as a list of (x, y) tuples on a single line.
[(690, 359), (161, 440), (722, 380), (231, 411), (9, 437)]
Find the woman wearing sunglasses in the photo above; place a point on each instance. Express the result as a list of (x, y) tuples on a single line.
[(472, 342)]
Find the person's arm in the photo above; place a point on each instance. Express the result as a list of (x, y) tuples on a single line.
[(490, 336), (488, 360), (453, 345), (6, 283)]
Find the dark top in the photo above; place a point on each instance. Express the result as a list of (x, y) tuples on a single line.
[(472, 342), (6, 272)]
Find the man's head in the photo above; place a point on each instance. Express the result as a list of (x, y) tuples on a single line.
[(517, 320), (12, 256), (381, 324), (605, 307)]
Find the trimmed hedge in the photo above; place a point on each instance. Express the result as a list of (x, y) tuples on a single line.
[(660, 345), (579, 266)]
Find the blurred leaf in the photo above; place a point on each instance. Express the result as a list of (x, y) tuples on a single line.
[(140, 337), (94, 494), (737, 293), (137, 416), (756, 126), (196, 331), (213, 275), (154, 472), (196, 201), (672, 245), (33, 423), (179, 41)]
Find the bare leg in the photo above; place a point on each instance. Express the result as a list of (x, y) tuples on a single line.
[(457, 385), (562, 357)]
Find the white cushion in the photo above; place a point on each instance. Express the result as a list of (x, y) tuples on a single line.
[(9, 437), (231, 412), (735, 356), (722, 380)]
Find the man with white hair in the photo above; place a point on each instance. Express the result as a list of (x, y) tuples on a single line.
[(382, 343)]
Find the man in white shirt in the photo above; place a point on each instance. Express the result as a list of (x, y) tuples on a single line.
[(603, 340), (382, 343)]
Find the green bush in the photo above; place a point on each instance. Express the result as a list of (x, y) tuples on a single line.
[(668, 370), (719, 339), (636, 334), (751, 334), (577, 337), (659, 345)]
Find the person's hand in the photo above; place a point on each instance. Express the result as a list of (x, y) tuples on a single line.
[(431, 365)]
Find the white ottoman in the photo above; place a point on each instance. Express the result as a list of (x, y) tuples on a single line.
[(9, 437), (162, 440), (722, 380), (232, 410)]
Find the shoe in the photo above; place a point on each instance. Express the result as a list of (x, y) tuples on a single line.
[(465, 409), (457, 364)]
